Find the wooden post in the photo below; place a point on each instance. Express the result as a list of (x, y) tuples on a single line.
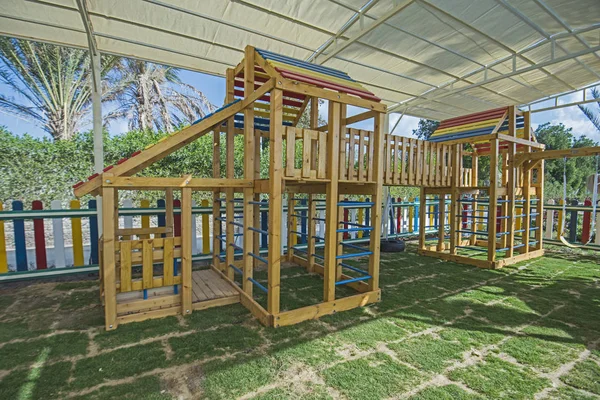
[(229, 173), (455, 207), (378, 133), (331, 207), (108, 256), (343, 175), (275, 177), (217, 225), (312, 204), (292, 226), (186, 251), (511, 184), (474, 183), (249, 172), (539, 237), (493, 201)]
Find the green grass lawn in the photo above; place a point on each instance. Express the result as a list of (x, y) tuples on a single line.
[(442, 331)]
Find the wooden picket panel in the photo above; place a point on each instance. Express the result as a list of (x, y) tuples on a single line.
[(308, 138), (146, 252)]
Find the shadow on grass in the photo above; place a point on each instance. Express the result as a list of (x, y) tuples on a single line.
[(556, 296)]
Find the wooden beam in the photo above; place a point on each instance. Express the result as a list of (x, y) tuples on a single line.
[(552, 154), (249, 173), (512, 178), (493, 200), (108, 258), (156, 183), (308, 90), (186, 251), (518, 140), (360, 117), (377, 199), (313, 312), (175, 141), (275, 201), (331, 207)]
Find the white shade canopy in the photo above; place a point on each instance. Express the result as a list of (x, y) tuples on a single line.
[(428, 58)]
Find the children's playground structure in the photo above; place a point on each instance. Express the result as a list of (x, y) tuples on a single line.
[(147, 272)]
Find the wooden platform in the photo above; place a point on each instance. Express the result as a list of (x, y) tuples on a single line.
[(208, 285)]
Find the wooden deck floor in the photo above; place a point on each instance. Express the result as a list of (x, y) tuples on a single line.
[(208, 285)]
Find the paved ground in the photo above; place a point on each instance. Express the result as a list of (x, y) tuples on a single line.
[(442, 331)]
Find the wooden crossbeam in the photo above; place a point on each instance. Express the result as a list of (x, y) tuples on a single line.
[(174, 142)]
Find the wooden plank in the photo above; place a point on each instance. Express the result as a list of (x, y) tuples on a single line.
[(351, 155), (419, 175), (173, 142), (306, 152), (326, 308), (108, 258), (388, 159), (331, 208), (143, 316), (186, 251), (493, 200), (377, 199), (322, 164), (143, 231), (154, 302), (147, 264), (250, 152), (255, 308), (202, 293), (370, 159), (290, 146), (308, 90), (360, 117), (158, 183), (125, 266), (396, 168), (223, 301), (275, 202), (168, 262), (361, 156), (411, 162)]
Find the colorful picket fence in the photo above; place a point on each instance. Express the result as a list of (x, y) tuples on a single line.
[(35, 238)]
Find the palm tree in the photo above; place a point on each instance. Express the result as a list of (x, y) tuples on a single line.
[(593, 116), (52, 84), (152, 96)]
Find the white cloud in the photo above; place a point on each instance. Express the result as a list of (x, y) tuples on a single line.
[(571, 117), (406, 125)]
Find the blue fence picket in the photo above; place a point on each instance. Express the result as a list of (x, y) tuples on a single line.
[(20, 244), (93, 234)]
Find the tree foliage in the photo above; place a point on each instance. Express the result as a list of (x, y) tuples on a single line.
[(425, 128), (52, 84), (593, 113), (578, 169), (152, 96)]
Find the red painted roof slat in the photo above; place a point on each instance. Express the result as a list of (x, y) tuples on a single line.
[(329, 85)]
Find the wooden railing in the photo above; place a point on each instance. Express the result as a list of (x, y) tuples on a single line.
[(414, 162), (356, 156), (146, 253), (306, 153)]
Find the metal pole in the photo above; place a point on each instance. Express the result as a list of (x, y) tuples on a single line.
[(97, 124)]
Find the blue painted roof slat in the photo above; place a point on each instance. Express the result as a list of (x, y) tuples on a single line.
[(216, 111), (303, 64)]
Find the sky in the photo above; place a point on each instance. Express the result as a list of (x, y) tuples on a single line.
[(214, 89)]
